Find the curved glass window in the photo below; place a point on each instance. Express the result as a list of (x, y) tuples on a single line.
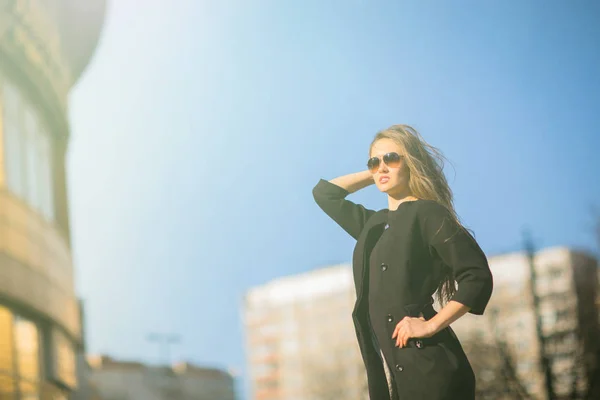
[(27, 151), (21, 360)]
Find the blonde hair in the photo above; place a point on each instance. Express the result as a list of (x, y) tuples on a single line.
[(427, 182)]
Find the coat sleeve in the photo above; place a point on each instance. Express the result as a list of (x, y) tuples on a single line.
[(332, 200), (458, 250)]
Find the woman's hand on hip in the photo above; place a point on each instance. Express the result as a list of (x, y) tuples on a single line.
[(412, 328)]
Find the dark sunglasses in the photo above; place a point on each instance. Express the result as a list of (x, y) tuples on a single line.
[(392, 160)]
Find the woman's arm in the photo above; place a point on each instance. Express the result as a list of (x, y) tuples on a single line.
[(420, 328), (354, 182), (331, 197), (459, 251), (447, 315)]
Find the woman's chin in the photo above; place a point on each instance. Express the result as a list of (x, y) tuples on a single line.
[(388, 188), (383, 187)]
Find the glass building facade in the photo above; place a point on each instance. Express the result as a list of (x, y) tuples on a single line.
[(44, 47), (25, 360)]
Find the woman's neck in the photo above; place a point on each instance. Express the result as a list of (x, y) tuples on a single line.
[(395, 201)]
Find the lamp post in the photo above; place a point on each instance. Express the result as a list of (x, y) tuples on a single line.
[(164, 341)]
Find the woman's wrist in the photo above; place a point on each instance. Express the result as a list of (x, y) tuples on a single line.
[(434, 326), (447, 315)]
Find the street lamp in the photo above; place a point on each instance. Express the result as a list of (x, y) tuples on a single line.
[(164, 342)]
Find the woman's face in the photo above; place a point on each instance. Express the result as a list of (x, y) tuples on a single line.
[(394, 178)]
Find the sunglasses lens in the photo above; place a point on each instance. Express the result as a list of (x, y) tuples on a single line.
[(373, 164), (392, 160)]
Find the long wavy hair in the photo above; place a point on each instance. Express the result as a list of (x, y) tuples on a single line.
[(427, 182)]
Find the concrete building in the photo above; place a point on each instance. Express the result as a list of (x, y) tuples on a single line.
[(566, 283), (300, 338), (121, 380), (301, 343), (44, 47)]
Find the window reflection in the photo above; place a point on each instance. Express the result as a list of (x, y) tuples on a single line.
[(21, 362), (28, 358), (12, 139), (31, 158), (27, 151), (65, 359), (6, 353)]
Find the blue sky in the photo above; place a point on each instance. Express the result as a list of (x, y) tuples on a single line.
[(200, 128)]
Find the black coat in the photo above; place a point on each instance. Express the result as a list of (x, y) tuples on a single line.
[(422, 239)]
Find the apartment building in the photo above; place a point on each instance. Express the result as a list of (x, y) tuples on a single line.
[(300, 338), (566, 285)]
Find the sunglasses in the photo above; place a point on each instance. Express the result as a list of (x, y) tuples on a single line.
[(392, 160)]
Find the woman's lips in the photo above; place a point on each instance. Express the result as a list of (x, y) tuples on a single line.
[(384, 179)]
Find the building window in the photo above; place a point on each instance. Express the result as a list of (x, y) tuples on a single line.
[(549, 318), (13, 139), (290, 346), (64, 359), (20, 360), (523, 367), (556, 272), (27, 340), (27, 151), (7, 351)]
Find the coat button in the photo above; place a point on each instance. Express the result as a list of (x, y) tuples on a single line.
[(383, 266), (399, 368), (419, 343), (390, 317)]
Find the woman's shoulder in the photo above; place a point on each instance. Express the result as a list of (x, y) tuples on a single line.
[(425, 207)]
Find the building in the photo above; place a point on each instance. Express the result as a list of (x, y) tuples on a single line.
[(44, 47), (122, 380), (300, 338), (566, 284), (301, 342)]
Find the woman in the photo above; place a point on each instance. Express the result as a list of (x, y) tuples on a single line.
[(403, 255)]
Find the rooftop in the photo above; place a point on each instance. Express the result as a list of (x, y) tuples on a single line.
[(104, 363)]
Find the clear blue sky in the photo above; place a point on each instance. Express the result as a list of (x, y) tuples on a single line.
[(201, 127)]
